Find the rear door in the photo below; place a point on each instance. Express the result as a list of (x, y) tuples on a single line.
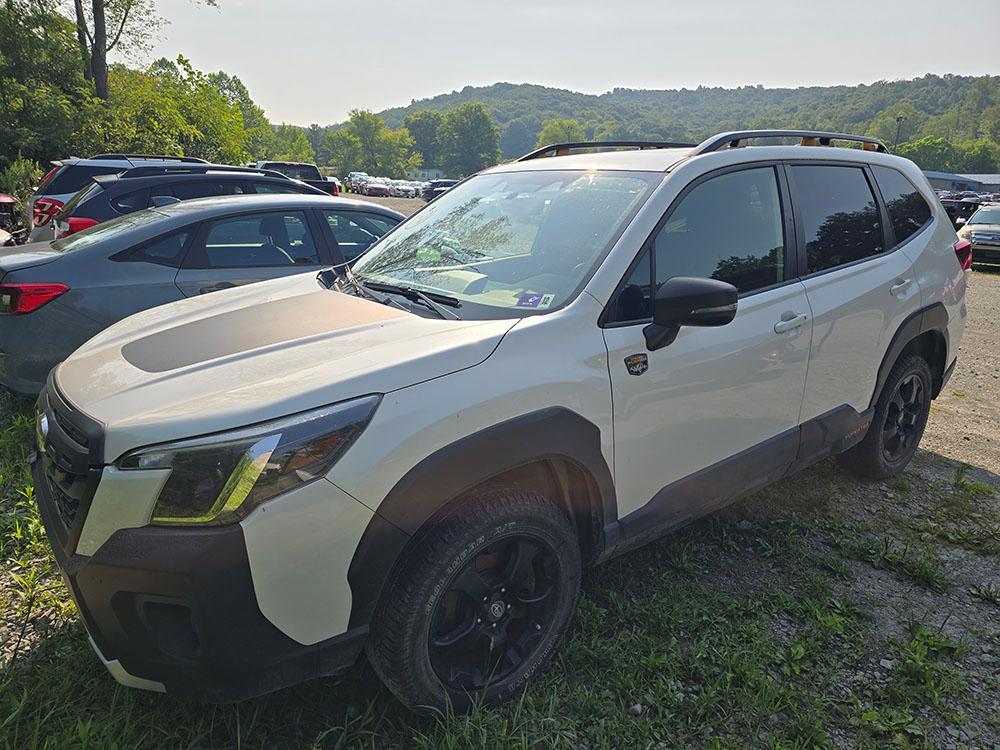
[(252, 247), (859, 289)]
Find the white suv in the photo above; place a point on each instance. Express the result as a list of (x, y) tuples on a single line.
[(556, 360)]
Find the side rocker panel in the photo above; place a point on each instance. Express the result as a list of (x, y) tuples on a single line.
[(556, 433)]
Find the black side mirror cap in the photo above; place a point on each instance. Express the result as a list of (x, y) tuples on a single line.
[(689, 301)]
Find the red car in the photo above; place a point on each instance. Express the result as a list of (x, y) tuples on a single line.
[(375, 187)]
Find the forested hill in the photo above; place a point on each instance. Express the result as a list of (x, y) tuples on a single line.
[(958, 108)]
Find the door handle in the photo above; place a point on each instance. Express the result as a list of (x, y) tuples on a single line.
[(216, 287), (784, 326), (900, 286)]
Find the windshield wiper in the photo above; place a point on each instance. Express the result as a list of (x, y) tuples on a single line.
[(364, 291), (432, 300)]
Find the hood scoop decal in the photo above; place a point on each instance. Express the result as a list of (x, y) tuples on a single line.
[(256, 326)]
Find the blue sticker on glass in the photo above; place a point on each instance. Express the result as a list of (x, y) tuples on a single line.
[(529, 299)]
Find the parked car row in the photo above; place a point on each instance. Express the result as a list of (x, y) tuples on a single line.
[(982, 229)]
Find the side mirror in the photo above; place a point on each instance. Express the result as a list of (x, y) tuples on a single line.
[(688, 301), (159, 201)]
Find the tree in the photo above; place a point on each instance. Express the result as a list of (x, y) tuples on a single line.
[(470, 140), (516, 139), (345, 151), (103, 26), (564, 130), (929, 153), (423, 128), (260, 134), (978, 157), (291, 144)]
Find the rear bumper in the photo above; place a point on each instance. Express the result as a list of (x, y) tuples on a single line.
[(174, 610)]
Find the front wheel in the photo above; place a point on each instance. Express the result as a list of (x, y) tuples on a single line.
[(897, 423), (479, 603)]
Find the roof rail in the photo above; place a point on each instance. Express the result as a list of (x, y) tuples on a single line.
[(151, 157), (738, 138), (561, 149), (197, 169)]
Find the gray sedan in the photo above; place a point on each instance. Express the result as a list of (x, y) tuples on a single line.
[(54, 296)]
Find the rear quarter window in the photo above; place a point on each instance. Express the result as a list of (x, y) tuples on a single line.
[(74, 177), (908, 211)]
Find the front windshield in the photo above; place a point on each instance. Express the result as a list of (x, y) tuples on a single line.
[(518, 241), (986, 216), (106, 230)]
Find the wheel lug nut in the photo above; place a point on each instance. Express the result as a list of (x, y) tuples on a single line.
[(537, 626), (503, 591), (493, 625), (508, 606), (479, 619), (485, 598)]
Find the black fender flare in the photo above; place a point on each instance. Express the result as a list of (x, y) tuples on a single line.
[(931, 318), (549, 434)]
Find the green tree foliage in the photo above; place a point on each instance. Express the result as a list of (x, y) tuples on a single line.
[(291, 144), (19, 178), (259, 132), (563, 130), (469, 140), (423, 128), (367, 145), (517, 137), (930, 153)]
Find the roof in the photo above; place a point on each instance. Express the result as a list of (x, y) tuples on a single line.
[(636, 160), (209, 206), (992, 179), (931, 174)]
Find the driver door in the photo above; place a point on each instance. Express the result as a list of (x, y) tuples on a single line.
[(252, 247), (715, 412)]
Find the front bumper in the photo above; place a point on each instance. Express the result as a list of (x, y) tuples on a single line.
[(168, 608), (985, 253)]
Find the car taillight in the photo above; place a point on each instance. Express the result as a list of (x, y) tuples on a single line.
[(49, 174), (43, 210), (963, 249), (19, 299), (76, 224)]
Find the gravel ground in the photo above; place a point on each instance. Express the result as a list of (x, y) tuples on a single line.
[(965, 419), (405, 206)]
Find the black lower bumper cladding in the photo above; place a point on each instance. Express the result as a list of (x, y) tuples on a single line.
[(177, 606)]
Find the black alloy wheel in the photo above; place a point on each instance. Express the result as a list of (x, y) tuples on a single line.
[(901, 429), (494, 613)]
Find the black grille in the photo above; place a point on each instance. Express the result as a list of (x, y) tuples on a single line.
[(69, 474)]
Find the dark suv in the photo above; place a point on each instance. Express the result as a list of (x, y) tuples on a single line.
[(110, 196)]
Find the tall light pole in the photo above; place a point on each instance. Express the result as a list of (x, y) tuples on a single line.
[(899, 125)]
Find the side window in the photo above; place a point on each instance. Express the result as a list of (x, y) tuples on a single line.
[(635, 300), (276, 187), (356, 231), (908, 211), (131, 201), (205, 189), (166, 251), (727, 228), (278, 238), (839, 215)]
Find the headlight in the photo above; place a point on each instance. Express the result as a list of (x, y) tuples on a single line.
[(220, 478)]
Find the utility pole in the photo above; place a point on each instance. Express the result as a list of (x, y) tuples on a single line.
[(899, 125)]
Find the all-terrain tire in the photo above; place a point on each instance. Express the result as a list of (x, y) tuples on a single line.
[(883, 452), (400, 642)]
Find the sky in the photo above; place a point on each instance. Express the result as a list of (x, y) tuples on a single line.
[(312, 61)]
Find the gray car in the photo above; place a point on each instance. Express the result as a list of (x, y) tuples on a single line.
[(56, 295)]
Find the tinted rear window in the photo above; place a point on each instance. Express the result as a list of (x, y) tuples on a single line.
[(839, 215), (908, 211), (71, 178)]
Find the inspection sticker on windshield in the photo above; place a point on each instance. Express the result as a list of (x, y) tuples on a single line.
[(531, 299)]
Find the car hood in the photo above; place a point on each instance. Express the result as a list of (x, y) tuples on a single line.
[(26, 256), (968, 229), (256, 353)]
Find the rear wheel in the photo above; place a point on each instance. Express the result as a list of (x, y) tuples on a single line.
[(897, 424), (480, 602)]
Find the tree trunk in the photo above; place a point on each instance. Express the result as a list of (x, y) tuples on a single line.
[(99, 51), (81, 38)]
